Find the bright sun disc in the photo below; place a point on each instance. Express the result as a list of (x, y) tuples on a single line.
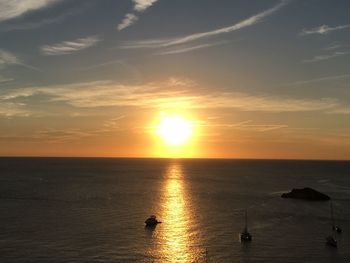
[(174, 130)]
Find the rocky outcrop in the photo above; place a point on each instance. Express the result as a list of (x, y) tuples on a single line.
[(306, 194)]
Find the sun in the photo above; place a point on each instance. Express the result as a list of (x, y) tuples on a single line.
[(174, 130)]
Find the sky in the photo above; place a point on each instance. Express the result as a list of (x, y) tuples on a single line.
[(257, 79)]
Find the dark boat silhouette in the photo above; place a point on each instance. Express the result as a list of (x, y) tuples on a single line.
[(245, 235), (152, 221), (331, 240), (337, 229), (334, 226)]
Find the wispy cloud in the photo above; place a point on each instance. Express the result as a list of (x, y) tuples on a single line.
[(7, 59), (246, 125), (63, 135), (15, 8), (341, 110), (188, 49), (250, 21), (60, 135), (333, 46), (49, 135), (12, 109), (68, 47), (142, 5), (322, 30), (172, 94), (112, 123), (131, 18), (36, 22), (267, 103), (326, 56), (5, 79), (102, 64), (328, 78), (127, 21)]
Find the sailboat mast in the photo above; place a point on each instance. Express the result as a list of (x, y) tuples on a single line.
[(332, 216), (333, 223)]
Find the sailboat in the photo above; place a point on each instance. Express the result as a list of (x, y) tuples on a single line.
[(245, 235), (331, 240), (334, 226)]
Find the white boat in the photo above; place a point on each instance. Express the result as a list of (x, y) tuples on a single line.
[(152, 221), (245, 235), (334, 226)]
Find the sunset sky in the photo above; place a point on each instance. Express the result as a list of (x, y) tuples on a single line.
[(255, 79)]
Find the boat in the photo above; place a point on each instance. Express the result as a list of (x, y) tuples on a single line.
[(331, 240), (245, 235), (334, 226), (337, 229), (152, 221)]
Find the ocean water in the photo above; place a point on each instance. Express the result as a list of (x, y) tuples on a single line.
[(93, 210)]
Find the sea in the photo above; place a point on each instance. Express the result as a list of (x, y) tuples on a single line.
[(93, 210)]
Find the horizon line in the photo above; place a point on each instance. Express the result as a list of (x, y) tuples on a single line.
[(174, 158)]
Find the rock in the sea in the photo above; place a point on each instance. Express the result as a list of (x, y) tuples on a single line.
[(306, 194)]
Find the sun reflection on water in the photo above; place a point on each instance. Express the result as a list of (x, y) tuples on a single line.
[(177, 241)]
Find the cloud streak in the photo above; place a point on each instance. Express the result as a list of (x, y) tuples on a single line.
[(319, 58), (131, 18), (250, 21), (15, 8), (127, 21), (69, 47), (7, 59), (188, 49), (333, 46), (328, 78), (5, 79), (172, 94), (247, 125), (323, 30), (142, 5), (12, 109), (40, 21)]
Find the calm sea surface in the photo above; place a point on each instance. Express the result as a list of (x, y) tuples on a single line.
[(93, 210)]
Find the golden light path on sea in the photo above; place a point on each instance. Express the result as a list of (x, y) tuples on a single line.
[(178, 244)]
